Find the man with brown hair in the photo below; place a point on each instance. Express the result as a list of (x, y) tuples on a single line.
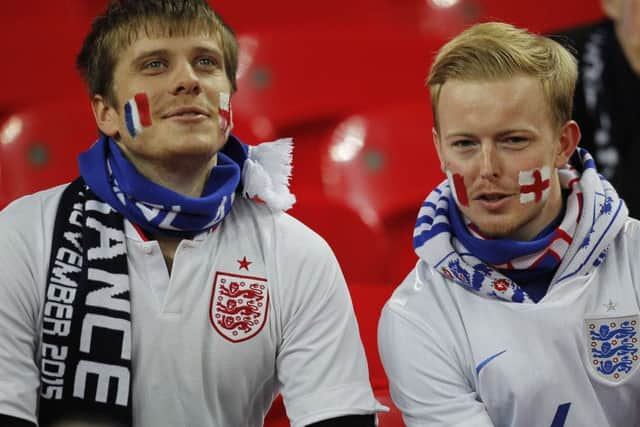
[(524, 307), (165, 286)]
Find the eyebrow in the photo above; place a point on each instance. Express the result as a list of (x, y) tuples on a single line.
[(215, 51), (498, 135)]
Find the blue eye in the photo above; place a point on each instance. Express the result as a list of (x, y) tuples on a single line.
[(207, 61), (154, 65)]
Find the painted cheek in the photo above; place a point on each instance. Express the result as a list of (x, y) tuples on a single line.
[(225, 114), (534, 185), (456, 181), (137, 114)]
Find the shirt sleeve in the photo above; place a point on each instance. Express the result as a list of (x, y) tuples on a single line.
[(426, 383), (19, 309), (321, 364)]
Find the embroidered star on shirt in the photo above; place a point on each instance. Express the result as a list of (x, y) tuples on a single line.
[(611, 306), (244, 263)]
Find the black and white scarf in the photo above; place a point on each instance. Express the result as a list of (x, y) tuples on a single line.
[(86, 335)]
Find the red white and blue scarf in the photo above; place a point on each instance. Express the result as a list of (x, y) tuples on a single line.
[(593, 216)]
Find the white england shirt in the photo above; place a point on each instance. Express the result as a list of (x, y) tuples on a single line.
[(455, 358), (193, 364)]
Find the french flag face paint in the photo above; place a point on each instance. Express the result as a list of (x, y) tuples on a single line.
[(535, 185), (459, 189), (225, 114), (137, 114)]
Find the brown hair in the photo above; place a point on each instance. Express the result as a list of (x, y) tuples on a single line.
[(125, 20)]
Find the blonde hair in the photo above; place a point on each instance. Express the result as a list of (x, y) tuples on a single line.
[(494, 51)]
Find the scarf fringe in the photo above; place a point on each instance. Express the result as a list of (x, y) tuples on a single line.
[(267, 171)]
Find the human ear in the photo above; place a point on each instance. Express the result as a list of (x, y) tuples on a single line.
[(568, 141), (611, 8), (106, 116)]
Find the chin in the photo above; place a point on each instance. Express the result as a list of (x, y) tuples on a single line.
[(497, 229)]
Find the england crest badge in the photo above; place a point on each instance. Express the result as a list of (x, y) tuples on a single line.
[(613, 346), (239, 306)]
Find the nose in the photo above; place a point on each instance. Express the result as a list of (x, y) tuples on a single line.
[(186, 81), (490, 164)]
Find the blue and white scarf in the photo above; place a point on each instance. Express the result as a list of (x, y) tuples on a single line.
[(262, 171), (593, 216)]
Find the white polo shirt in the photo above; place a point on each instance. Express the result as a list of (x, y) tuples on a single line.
[(195, 359), (455, 358)]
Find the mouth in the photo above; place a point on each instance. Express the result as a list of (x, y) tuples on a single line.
[(187, 113), (493, 201), (492, 197)]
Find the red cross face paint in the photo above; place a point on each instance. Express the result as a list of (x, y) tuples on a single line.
[(456, 181), (225, 114), (535, 185), (137, 114)]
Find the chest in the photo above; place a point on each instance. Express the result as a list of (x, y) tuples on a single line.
[(574, 357), (210, 327)]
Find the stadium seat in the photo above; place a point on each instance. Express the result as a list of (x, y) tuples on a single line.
[(39, 145), (294, 74), (381, 162), (40, 42), (383, 158), (358, 245)]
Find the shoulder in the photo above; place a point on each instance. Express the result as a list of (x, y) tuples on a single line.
[(32, 213), (426, 300), (288, 236), (629, 235)]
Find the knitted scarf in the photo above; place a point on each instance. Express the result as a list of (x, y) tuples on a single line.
[(593, 216), (159, 210), (86, 340)]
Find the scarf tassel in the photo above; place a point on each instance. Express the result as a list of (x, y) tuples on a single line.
[(266, 173)]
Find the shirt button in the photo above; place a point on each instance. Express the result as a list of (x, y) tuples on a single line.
[(148, 250)]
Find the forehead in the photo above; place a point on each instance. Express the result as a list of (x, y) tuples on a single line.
[(493, 103), (144, 30), (144, 44)]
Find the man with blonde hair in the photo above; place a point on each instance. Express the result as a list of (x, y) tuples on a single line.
[(523, 309), (166, 286)]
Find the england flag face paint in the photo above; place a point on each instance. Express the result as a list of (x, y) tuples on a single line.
[(535, 185), (137, 114), (459, 189), (225, 114)]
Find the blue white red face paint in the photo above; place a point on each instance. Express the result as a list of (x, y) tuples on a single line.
[(534, 185), (137, 114), (458, 187), (225, 114)]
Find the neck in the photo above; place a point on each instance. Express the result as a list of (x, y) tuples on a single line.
[(168, 246), (550, 212), (184, 176)]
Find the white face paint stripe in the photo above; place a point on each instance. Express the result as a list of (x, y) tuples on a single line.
[(225, 113)]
